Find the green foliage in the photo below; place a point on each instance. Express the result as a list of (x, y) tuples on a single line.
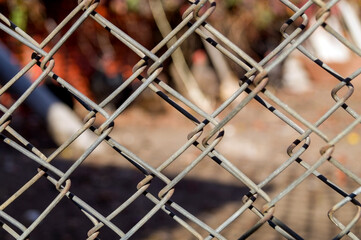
[(263, 16), (133, 5), (19, 15)]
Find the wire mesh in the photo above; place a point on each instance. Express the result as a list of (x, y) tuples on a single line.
[(257, 205)]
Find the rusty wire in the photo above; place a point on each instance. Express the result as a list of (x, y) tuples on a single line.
[(150, 66)]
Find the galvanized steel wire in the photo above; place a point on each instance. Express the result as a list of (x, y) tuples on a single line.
[(254, 83)]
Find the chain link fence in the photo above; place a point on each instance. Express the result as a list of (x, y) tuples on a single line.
[(257, 203)]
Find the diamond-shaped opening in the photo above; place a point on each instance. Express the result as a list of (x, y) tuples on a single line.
[(201, 203), (345, 153), (304, 208), (207, 189), (250, 138), (136, 211), (66, 221), (31, 203), (345, 215), (12, 171), (141, 132)]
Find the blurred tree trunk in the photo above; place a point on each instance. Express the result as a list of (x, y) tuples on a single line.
[(184, 78)]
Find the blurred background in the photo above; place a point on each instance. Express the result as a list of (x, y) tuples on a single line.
[(96, 63), (92, 56)]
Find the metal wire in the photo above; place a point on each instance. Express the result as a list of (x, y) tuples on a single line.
[(254, 83)]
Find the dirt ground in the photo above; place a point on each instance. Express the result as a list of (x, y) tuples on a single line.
[(255, 142)]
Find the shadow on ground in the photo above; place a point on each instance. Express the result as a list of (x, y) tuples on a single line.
[(103, 188)]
